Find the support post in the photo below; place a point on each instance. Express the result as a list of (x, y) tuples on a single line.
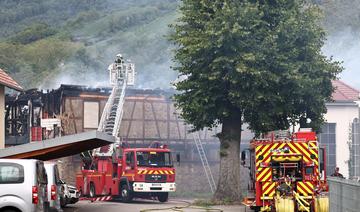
[(2, 117)]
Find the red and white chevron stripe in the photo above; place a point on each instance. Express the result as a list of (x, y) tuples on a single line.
[(96, 199)]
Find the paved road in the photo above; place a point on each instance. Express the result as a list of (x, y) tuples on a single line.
[(141, 206)]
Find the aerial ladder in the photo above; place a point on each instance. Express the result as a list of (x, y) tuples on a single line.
[(122, 74)]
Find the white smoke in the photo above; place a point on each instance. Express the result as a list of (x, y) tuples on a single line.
[(345, 46)]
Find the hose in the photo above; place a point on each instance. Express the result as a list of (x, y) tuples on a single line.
[(180, 208)]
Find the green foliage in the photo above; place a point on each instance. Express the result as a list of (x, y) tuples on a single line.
[(87, 33), (83, 18), (31, 63), (33, 33), (256, 60)]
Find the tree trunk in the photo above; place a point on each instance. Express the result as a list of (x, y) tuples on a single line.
[(228, 187)]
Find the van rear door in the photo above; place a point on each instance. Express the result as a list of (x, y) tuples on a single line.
[(41, 184)]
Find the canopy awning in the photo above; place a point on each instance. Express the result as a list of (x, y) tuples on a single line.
[(58, 147)]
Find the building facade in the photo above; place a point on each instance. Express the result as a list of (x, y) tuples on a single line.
[(336, 133)]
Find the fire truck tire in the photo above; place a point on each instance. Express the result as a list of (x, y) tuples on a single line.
[(163, 197), (255, 208), (92, 190), (126, 194)]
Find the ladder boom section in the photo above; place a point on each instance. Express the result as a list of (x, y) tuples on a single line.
[(119, 112), (106, 110), (121, 75)]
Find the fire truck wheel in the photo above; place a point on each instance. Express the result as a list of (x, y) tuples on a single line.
[(92, 190), (255, 208), (126, 195), (163, 197)]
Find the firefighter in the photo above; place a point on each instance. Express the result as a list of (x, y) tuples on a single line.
[(337, 173), (285, 187), (119, 59)]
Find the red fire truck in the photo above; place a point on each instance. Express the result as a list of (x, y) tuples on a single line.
[(287, 173), (128, 172)]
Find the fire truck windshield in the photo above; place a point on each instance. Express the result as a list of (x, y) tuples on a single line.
[(157, 159)]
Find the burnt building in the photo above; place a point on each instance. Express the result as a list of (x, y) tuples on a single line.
[(149, 115)]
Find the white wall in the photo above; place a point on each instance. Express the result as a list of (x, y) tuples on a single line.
[(343, 115)]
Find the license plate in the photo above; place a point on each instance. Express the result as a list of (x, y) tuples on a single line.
[(156, 184)]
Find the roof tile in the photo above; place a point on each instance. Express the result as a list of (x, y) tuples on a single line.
[(7, 81), (344, 92)]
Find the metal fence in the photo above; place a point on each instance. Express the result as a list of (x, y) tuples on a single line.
[(344, 195)]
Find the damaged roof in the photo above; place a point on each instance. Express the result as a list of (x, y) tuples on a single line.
[(58, 147), (9, 82)]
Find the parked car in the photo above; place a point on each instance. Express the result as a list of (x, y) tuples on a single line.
[(54, 186), (74, 195), (23, 185), (70, 194)]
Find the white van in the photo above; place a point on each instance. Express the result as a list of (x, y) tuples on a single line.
[(23, 185), (54, 185)]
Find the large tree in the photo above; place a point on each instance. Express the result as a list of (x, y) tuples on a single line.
[(250, 61)]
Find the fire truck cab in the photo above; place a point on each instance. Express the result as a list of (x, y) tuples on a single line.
[(287, 173), (128, 173)]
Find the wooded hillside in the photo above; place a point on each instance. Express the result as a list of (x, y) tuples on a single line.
[(48, 42)]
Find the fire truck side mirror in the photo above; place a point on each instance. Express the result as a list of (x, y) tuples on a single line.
[(243, 158), (178, 158)]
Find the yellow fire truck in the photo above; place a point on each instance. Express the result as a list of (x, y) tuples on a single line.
[(287, 173)]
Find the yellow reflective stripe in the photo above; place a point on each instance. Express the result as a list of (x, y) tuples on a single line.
[(258, 172), (263, 172), (161, 172), (264, 148), (310, 186), (151, 171), (266, 154), (259, 147), (306, 188), (298, 150), (313, 144), (171, 172), (270, 190), (316, 156), (304, 193), (305, 151), (166, 172), (265, 185), (156, 172), (267, 177), (258, 155)]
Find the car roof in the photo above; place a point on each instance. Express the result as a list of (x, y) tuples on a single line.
[(20, 161)]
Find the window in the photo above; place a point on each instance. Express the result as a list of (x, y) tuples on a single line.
[(130, 159), (11, 173), (355, 150), (91, 115), (57, 176), (41, 173), (159, 159), (327, 139), (309, 170)]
